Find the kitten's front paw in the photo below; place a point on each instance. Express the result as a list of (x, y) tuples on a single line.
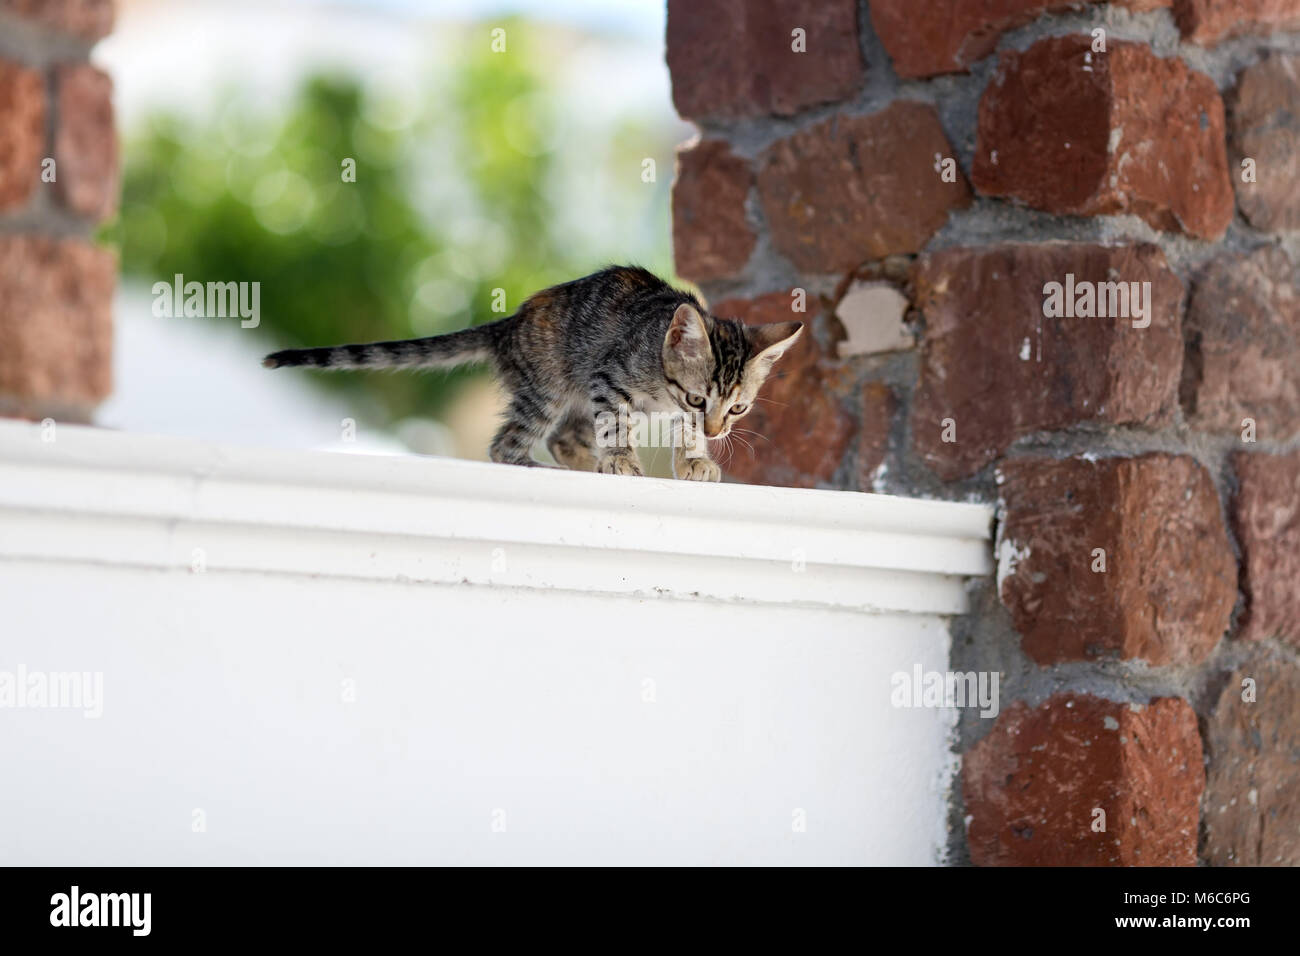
[(699, 469), (620, 463)]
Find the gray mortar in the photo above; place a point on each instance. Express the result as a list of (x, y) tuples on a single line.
[(30, 44), (33, 46), (984, 639)]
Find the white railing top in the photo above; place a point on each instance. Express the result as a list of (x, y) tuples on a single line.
[(112, 497)]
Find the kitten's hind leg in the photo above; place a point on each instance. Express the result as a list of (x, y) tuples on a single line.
[(528, 418), (572, 441)]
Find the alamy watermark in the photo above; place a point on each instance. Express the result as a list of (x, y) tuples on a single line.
[(213, 300), (129, 910), (53, 690), (644, 429), (923, 688), (1098, 300)]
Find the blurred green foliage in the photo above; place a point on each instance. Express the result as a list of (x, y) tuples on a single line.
[(454, 197)]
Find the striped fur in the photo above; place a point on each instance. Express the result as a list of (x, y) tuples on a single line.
[(439, 351), (620, 340)]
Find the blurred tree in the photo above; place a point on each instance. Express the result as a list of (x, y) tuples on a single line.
[(449, 203)]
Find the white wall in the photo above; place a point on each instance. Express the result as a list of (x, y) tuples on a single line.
[(223, 690)]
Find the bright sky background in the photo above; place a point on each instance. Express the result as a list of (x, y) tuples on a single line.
[(634, 17), (183, 54), (178, 52)]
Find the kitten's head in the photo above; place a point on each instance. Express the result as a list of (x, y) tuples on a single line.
[(715, 367)]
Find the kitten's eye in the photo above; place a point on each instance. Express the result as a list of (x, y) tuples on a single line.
[(739, 409), (695, 401)]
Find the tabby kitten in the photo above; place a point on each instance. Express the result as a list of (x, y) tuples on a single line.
[(575, 356)]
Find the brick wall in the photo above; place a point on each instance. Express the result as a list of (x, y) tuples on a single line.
[(58, 179), (917, 176)]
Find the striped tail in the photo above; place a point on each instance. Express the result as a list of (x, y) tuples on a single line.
[(440, 351)]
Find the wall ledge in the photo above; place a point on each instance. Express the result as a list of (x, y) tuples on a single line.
[(106, 497)]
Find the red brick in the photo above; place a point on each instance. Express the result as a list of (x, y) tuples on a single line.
[(1032, 373), (731, 58), (946, 36), (855, 188), (1266, 129), (1243, 346), (1080, 133), (1252, 787), (712, 238), (1208, 21), (56, 323), (878, 406), (805, 428), (1266, 516), (85, 144), (87, 20), (1032, 785), (1170, 579), (22, 117)]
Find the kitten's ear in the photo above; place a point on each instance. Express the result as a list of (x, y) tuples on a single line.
[(771, 341), (687, 337)]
